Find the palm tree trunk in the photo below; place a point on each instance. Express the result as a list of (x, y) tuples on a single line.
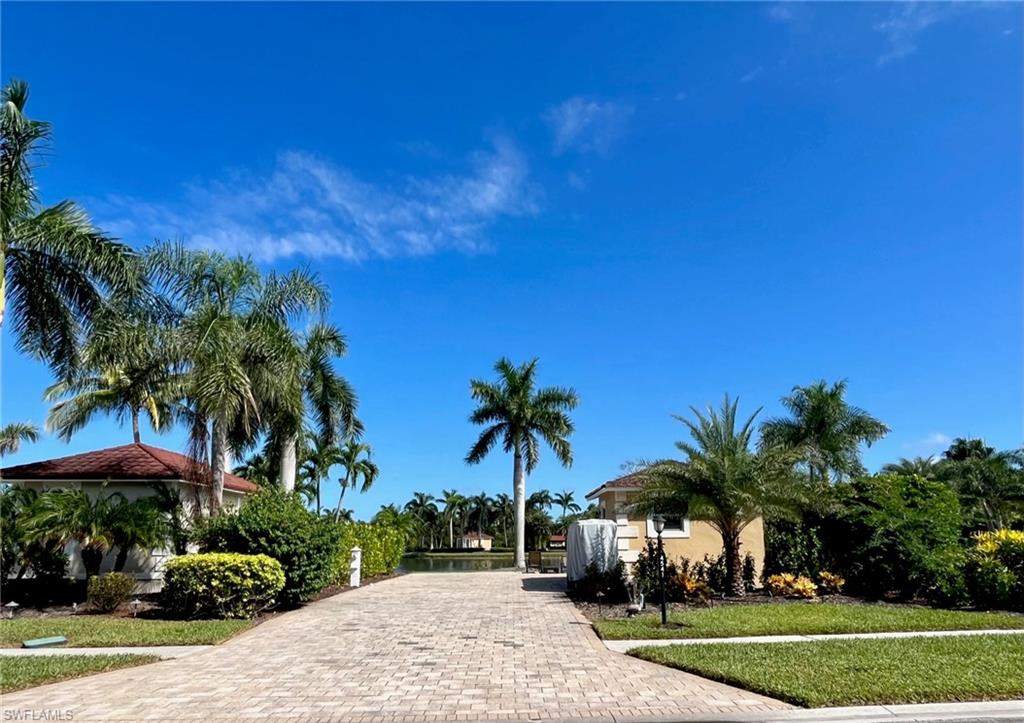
[(451, 531), (341, 496), (733, 565), (288, 463), (218, 455), (122, 557), (136, 437), (519, 482), (317, 496)]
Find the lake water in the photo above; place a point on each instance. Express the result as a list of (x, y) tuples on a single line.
[(455, 564)]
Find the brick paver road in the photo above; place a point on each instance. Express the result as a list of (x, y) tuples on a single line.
[(431, 646)]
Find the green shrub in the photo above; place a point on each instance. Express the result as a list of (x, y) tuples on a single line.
[(221, 585), (646, 574), (611, 584), (897, 529), (108, 592), (382, 548), (948, 583), (277, 524)]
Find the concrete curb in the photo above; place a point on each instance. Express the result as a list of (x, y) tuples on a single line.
[(164, 652), (623, 646)]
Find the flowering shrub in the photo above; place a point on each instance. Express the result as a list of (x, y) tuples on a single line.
[(221, 584), (830, 583), (994, 571)]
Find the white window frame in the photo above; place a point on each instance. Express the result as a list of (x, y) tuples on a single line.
[(668, 534)]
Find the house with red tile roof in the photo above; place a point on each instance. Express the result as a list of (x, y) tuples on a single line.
[(135, 471), (474, 541)]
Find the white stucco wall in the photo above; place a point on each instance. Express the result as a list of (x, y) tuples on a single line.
[(146, 566)]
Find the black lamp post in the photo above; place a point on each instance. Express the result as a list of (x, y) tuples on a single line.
[(659, 527)]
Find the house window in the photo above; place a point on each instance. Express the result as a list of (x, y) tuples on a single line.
[(675, 526)]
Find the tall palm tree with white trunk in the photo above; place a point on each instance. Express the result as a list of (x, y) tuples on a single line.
[(453, 505), (55, 266), (241, 360), (519, 416)]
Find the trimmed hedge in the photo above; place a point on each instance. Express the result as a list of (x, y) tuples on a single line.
[(221, 584), (277, 524), (106, 593), (382, 548)]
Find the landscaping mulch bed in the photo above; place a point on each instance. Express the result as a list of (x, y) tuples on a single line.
[(593, 611)]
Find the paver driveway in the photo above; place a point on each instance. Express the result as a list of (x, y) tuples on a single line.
[(429, 646)]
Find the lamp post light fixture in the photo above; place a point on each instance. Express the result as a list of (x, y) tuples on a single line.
[(10, 609), (659, 527)]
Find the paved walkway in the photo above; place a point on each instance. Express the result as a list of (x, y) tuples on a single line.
[(622, 646), (431, 646)]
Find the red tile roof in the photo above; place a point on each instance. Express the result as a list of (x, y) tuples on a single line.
[(128, 462), (633, 480), (477, 536)]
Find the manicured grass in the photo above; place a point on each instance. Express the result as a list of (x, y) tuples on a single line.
[(861, 672), (801, 619), (25, 672), (86, 631)]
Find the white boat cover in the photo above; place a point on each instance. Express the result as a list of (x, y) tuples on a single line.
[(590, 541)]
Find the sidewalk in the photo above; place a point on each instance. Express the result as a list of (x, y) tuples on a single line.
[(623, 646)]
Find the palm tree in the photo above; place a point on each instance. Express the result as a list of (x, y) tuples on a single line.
[(827, 429), (926, 467), (355, 460), (256, 468), (56, 266), (989, 484), (13, 434), (504, 507), (481, 505), (233, 331), (721, 480), (320, 457), (137, 524), (403, 522), (565, 500), (516, 414), (127, 368), (322, 394), (70, 515), (453, 503), (423, 508)]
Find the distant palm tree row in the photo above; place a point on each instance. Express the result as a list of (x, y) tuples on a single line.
[(439, 522)]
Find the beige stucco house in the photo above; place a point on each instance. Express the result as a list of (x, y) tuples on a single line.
[(131, 470), (681, 537), (474, 541)]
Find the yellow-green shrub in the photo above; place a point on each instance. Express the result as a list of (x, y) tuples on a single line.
[(221, 584), (382, 548), (788, 585), (830, 583), (992, 542), (106, 593)]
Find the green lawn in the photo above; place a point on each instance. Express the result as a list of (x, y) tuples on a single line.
[(801, 619), (86, 631), (25, 672), (861, 672)]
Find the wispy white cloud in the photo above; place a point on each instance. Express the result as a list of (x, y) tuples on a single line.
[(783, 12), (931, 443), (584, 125), (752, 74), (907, 21), (308, 206)]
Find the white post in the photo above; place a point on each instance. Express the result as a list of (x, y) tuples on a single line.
[(355, 564)]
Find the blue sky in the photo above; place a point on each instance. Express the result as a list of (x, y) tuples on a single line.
[(662, 202)]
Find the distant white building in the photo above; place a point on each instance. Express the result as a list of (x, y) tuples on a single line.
[(474, 541), (131, 470)]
